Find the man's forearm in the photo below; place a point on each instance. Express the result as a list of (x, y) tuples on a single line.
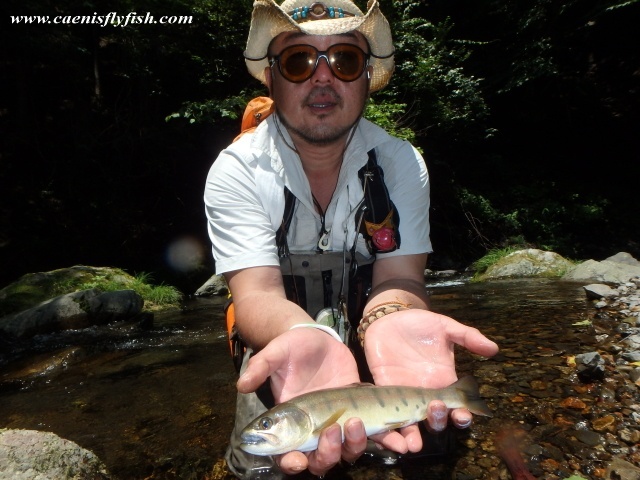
[(408, 292), (261, 317)]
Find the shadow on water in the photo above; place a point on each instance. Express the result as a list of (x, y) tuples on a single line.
[(158, 402)]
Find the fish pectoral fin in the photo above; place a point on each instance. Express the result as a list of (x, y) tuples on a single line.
[(329, 421), (394, 425)]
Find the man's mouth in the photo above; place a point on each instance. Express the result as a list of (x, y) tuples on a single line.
[(322, 104), (322, 99)]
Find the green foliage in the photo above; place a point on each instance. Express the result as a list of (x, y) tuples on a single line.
[(488, 225), (538, 216), (492, 257), (153, 295), (447, 101), (514, 104), (391, 117), (211, 111)]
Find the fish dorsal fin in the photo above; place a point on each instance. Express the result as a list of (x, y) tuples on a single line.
[(330, 421)]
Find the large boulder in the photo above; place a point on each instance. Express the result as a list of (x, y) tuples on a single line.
[(31, 454), (618, 269), (73, 310), (33, 288), (527, 263)]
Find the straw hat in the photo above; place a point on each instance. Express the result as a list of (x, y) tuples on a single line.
[(338, 16)]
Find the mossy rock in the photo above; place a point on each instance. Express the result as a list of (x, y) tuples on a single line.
[(530, 262), (33, 288)]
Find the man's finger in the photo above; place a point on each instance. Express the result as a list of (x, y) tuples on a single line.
[(292, 463), (461, 418), (437, 416), (257, 372), (355, 440), (471, 339), (329, 451)]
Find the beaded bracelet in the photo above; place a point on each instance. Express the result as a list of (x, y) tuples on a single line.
[(377, 312)]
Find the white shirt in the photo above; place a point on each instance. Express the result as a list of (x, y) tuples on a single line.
[(244, 197)]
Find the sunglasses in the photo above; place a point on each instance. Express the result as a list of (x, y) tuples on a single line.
[(298, 63)]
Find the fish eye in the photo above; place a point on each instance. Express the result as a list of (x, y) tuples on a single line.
[(266, 423)]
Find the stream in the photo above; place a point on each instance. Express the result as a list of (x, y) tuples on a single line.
[(157, 401)]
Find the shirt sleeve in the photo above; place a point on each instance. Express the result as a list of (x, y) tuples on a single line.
[(240, 229), (407, 179)]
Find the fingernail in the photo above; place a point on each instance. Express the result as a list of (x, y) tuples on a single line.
[(465, 423), (439, 416), (354, 428)]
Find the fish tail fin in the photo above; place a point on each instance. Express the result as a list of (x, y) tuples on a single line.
[(468, 386)]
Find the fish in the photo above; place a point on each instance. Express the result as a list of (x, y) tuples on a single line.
[(296, 424)]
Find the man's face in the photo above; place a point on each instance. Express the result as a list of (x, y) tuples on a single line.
[(322, 109)]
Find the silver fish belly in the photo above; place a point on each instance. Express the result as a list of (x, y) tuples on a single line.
[(297, 423)]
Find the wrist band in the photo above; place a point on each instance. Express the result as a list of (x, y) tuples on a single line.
[(324, 328), (377, 312)]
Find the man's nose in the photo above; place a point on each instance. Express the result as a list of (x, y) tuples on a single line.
[(323, 71)]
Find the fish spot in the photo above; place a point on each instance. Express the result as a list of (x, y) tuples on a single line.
[(405, 402), (397, 408)]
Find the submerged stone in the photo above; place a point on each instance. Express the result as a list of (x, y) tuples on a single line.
[(31, 454)]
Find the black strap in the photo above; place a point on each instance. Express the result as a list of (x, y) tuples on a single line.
[(377, 202), (287, 216)]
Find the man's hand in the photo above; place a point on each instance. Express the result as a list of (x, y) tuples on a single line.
[(300, 361), (415, 347)]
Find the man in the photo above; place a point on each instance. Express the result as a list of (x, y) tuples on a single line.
[(290, 218)]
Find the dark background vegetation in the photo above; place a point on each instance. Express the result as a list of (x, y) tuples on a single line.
[(527, 113)]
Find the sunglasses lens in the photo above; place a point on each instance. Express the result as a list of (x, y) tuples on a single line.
[(297, 63), (347, 62)]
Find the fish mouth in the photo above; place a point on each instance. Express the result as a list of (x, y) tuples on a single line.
[(255, 439)]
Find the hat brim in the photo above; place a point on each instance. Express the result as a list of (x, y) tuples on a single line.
[(269, 20)]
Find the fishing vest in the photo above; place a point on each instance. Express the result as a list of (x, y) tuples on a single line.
[(333, 287)]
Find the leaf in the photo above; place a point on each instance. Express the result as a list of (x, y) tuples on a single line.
[(584, 323)]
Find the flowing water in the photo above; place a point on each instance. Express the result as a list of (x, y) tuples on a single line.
[(156, 401)]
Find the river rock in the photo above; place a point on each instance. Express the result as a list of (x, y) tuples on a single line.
[(33, 288), (73, 310), (216, 285), (620, 268), (528, 263), (624, 257), (590, 366), (31, 455), (598, 291), (620, 468)]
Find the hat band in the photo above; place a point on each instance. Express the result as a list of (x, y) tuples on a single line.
[(317, 11)]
